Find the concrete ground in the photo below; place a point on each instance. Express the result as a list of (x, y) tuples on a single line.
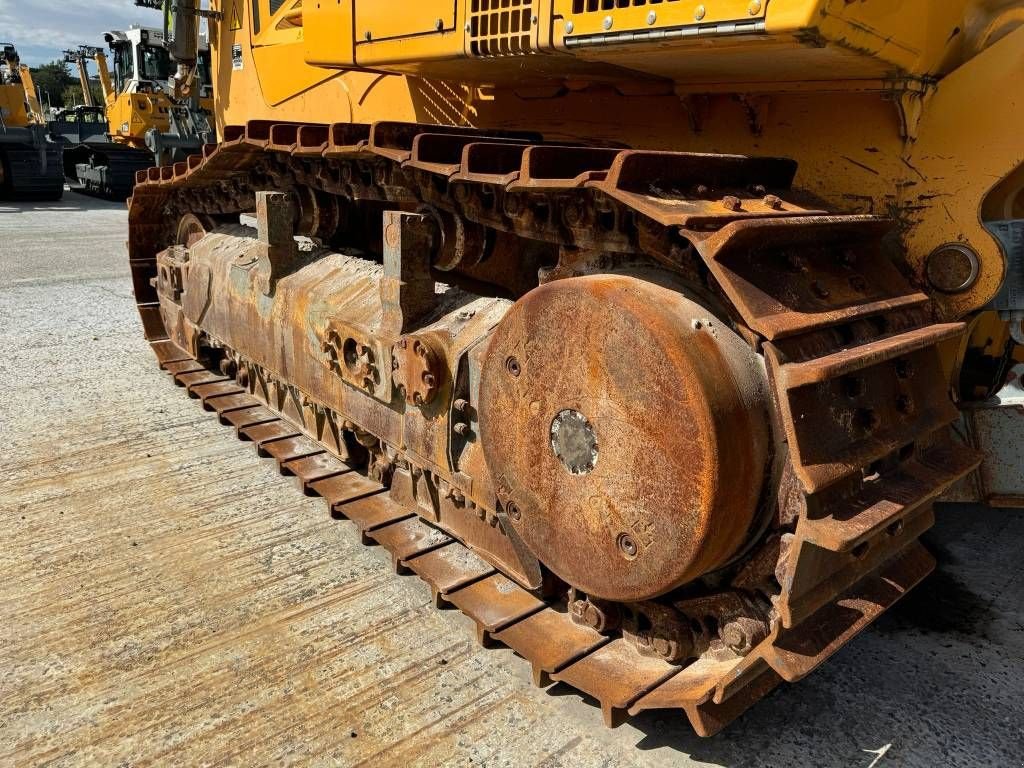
[(165, 597)]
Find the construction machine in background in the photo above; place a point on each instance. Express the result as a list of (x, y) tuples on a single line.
[(93, 160), (144, 123), (636, 330), (30, 163)]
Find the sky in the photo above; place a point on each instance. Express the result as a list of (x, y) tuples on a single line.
[(42, 29)]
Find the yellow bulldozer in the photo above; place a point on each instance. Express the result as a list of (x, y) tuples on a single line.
[(30, 162), (647, 333)]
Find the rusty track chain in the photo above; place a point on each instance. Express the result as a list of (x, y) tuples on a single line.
[(850, 350)]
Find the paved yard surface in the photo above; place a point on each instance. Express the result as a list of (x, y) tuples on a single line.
[(166, 598)]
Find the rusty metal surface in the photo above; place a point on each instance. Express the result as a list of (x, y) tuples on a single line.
[(573, 436), (641, 510), (168, 598)]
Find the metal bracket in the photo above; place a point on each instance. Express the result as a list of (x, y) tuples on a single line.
[(407, 289), (278, 251)]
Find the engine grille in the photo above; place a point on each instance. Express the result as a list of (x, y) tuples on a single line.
[(589, 6), (500, 27)]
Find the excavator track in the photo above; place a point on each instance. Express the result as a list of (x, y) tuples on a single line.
[(28, 172), (859, 400), (107, 169)]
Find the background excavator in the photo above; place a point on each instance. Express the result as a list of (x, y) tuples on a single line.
[(30, 163), (646, 333), (141, 123)]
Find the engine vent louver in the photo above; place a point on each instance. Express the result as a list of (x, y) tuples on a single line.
[(589, 6), (500, 27)]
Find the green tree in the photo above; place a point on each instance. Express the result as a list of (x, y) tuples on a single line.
[(52, 80), (72, 94)]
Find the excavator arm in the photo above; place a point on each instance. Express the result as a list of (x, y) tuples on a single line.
[(101, 65), (35, 111), (78, 59)]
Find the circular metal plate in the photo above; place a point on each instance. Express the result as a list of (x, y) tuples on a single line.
[(631, 440)]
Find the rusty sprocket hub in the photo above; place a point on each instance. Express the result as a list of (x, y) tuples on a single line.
[(611, 409)]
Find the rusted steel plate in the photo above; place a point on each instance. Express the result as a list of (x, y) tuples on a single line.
[(248, 417), (168, 352), (408, 538), (215, 389), (312, 140), (228, 403), (314, 467), (291, 448), (395, 140), (265, 433), (847, 361), (695, 191), (550, 640), (449, 568), (184, 366), (370, 512), (347, 139), (616, 675), (284, 137), (494, 603), (872, 407), (556, 167), (342, 489), (792, 276), (442, 153), (489, 163), (815, 575), (797, 652), (189, 380), (692, 690), (881, 506)]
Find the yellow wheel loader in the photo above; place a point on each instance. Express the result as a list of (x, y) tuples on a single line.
[(30, 162), (645, 333), (142, 123)]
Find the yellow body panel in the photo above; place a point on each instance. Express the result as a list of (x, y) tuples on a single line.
[(12, 106), (132, 114), (906, 109), (384, 19)]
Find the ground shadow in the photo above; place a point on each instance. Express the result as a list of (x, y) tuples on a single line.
[(72, 201)]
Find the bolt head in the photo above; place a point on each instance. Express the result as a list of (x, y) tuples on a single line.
[(952, 268), (905, 405), (754, 8), (607, 23), (627, 545), (652, 17), (731, 203), (700, 12), (569, 27)]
